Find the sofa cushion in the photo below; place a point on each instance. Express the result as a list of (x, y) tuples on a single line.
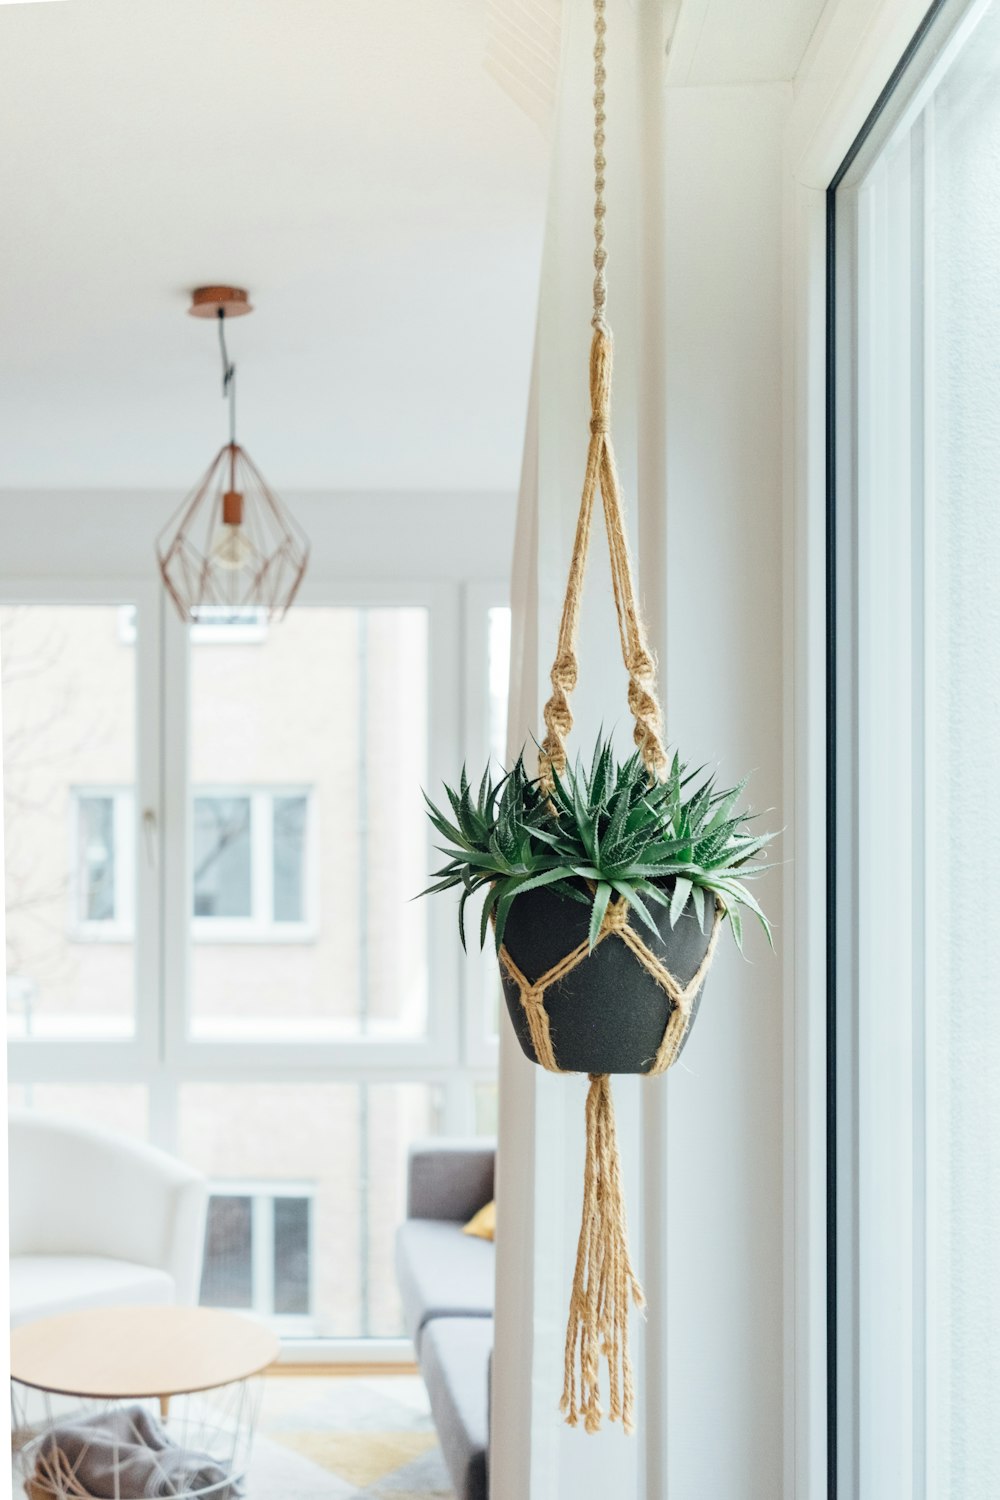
[(449, 1179), (44, 1285), (454, 1359), (442, 1273)]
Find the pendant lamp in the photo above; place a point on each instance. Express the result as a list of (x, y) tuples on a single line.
[(232, 545)]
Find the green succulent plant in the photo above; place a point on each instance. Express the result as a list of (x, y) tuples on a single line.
[(598, 833)]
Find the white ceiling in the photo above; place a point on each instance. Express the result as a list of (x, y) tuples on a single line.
[(351, 162), (735, 41)]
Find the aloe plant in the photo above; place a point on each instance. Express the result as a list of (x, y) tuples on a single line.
[(600, 833)]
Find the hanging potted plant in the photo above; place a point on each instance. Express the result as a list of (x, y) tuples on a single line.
[(606, 889)]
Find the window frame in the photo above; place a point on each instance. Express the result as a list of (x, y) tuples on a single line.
[(876, 553), (160, 1056), (481, 1038), (440, 1045)]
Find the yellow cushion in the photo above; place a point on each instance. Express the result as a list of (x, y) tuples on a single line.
[(483, 1224)]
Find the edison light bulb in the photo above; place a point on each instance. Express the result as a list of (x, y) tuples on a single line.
[(231, 549)]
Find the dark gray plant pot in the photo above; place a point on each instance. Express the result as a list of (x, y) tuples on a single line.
[(607, 1015)]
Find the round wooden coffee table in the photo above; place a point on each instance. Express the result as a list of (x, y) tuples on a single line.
[(107, 1356)]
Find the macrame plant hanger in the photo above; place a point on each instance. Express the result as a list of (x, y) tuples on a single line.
[(604, 1282)]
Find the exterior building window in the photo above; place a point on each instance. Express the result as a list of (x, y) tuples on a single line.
[(258, 1250), (251, 865), (104, 863)]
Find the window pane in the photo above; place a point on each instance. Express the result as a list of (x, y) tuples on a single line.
[(222, 885), (227, 1274), (919, 562), (289, 824), (349, 1143), (69, 733), (121, 1107), (333, 700), (95, 870), (291, 1256), (486, 1108)]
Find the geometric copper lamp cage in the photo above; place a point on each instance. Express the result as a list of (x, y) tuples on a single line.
[(232, 545)]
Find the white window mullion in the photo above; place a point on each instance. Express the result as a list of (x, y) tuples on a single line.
[(175, 840), (130, 849), (262, 1250), (936, 1391), (141, 845)]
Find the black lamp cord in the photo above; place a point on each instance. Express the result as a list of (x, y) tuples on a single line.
[(228, 375)]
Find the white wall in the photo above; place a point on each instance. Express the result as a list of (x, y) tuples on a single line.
[(54, 533), (535, 1456), (719, 1326), (696, 304)]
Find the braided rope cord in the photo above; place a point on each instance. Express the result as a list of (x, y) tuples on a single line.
[(602, 473), (604, 1283)]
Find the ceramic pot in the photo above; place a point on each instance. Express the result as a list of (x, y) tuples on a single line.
[(608, 1014)]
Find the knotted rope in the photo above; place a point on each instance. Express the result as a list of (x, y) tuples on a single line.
[(639, 660), (602, 473), (604, 1284)]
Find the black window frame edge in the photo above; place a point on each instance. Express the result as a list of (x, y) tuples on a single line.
[(909, 55)]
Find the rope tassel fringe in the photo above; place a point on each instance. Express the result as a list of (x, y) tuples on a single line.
[(604, 1284)]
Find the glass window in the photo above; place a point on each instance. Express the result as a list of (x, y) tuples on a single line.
[(69, 729), (221, 878), (227, 1273), (321, 726), (258, 1252), (96, 864), (250, 864), (918, 676), (325, 1167), (291, 1256), (305, 843), (486, 1104), (121, 1107), (288, 819)]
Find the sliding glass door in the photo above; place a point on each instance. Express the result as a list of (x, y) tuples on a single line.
[(916, 740), (214, 838)]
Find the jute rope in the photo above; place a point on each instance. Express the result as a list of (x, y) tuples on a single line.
[(616, 922), (602, 473), (604, 1283)]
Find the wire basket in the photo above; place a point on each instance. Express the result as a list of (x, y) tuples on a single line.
[(194, 1447)]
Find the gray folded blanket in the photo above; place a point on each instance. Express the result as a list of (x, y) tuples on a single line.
[(82, 1458)]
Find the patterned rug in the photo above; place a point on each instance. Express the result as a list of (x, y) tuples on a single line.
[(332, 1437)]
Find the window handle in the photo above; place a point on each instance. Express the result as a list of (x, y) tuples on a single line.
[(149, 839)]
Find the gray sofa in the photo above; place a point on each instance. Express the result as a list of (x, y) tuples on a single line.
[(446, 1283)]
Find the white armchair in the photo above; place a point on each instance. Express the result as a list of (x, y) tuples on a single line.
[(97, 1219)]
